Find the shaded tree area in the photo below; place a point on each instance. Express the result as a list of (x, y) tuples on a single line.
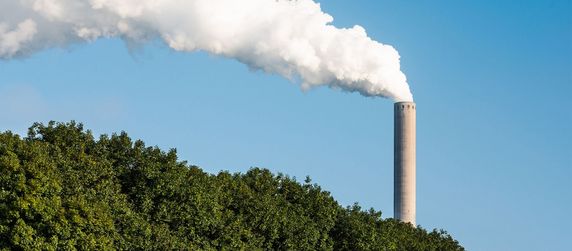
[(60, 188)]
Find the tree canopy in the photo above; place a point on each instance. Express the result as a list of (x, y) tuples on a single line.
[(61, 188)]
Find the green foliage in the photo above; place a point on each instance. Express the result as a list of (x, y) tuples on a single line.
[(62, 189)]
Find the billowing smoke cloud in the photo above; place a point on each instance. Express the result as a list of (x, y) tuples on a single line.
[(292, 38)]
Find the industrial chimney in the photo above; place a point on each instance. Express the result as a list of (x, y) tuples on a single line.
[(404, 162)]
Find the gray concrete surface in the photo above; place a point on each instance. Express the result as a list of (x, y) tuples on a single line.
[(404, 162)]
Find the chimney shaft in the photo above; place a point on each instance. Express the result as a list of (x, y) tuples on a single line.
[(404, 162)]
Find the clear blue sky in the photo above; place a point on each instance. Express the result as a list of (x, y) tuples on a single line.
[(492, 81)]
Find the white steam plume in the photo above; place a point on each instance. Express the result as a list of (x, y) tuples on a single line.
[(292, 38)]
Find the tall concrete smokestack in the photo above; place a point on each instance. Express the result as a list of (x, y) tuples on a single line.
[(404, 162)]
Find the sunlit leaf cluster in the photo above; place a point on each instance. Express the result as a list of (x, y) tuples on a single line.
[(63, 189)]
